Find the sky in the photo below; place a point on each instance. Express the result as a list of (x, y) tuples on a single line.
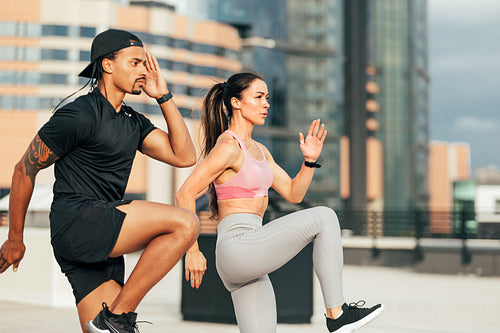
[(464, 69)]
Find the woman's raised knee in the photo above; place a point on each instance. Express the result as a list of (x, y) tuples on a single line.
[(327, 215)]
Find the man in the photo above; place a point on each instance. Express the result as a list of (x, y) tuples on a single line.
[(92, 142)]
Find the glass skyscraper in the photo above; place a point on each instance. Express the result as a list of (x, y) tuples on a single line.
[(398, 54), (314, 85)]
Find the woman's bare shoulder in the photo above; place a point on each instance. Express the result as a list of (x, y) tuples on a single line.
[(226, 146)]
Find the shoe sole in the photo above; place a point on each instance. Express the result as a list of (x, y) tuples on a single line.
[(360, 323), (92, 329)]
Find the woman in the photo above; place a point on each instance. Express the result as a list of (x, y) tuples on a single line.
[(239, 172)]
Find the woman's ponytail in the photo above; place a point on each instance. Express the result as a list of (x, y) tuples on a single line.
[(214, 119)]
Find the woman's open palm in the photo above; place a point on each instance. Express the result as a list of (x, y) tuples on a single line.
[(312, 144)]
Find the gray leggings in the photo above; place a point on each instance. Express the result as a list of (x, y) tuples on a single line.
[(246, 252)]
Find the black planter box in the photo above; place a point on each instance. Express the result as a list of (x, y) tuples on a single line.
[(212, 302)]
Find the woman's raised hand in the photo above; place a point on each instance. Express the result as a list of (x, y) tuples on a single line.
[(312, 144)]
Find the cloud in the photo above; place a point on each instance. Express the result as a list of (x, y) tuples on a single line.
[(475, 124), (464, 11)]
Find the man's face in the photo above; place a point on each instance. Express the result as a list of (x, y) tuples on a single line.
[(129, 70)]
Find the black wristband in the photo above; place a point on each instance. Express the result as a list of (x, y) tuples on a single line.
[(312, 164), (164, 98)]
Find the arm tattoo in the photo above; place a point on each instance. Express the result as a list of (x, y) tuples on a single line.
[(38, 157)]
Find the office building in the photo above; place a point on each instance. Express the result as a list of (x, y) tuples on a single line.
[(386, 112), (487, 202), (449, 163)]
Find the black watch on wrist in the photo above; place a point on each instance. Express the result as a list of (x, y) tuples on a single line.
[(164, 98), (312, 164)]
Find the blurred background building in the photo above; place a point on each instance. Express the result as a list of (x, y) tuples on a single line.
[(487, 202), (449, 170), (386, 112)]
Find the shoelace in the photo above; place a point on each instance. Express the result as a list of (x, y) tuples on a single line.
[(356, 305), (136, 328)]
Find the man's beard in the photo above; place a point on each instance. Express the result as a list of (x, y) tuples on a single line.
[(136, 91)]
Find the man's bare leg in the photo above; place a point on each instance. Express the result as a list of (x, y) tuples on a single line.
[(165, 233), (90, 305)]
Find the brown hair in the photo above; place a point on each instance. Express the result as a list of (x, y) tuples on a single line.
[(217, 113)]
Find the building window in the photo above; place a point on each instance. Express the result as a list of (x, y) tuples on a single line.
[(161, 40), (53, 78), (203, 70), (7, 77), (181, 44), (8, 29), (31, 78), (205, 48), (7, 53), (497, 206), (32, 54), (165, 63), (48, 102), (178, 89), (7, 102), (31, 103), (33, 30), (55, 30), (144, 37), (87, 32), (53, 54), (84, 55), (180, 66)]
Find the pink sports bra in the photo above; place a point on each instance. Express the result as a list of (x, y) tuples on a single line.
[(252, 180)]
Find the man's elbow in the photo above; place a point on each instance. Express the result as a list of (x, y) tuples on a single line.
[(185, 162), (19, 169), (191, 161)]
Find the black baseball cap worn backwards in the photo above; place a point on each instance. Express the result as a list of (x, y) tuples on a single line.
[(107, 42)]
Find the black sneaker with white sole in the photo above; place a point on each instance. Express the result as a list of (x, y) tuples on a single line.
[(107, 322), (353, 317)]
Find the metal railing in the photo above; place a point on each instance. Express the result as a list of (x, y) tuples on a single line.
[(418, 224)]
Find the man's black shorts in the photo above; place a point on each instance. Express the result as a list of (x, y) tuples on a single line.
[(83, 234)]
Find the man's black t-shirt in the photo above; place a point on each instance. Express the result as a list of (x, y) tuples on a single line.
[(96, 146)]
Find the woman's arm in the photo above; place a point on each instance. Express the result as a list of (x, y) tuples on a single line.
[(295, 189), (222, 157)]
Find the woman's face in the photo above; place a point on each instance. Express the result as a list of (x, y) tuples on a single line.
[(254, 102)]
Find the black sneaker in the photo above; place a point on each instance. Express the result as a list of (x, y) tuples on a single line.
[(353, 317), (107, 322)]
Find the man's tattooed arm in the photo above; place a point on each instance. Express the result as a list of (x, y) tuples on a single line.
[(38, 157)]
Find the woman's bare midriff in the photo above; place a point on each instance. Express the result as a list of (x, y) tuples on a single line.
[(256, 206)]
